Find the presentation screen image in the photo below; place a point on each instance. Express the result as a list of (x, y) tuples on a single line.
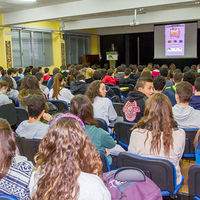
[(174, 40)]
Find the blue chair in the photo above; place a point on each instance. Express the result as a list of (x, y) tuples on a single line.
[(161, 171), (122, 132), (189, 151), (62, 106), (118, 92), (104, 159), (7, 197), (194, 181), (15, 101), (101, 123)]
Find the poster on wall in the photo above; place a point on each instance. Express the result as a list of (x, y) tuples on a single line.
[(8, 54), (175, 40)]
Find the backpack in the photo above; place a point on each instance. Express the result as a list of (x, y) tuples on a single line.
[(129, 183)]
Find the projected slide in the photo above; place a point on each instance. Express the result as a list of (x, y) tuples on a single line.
[(174, 40)]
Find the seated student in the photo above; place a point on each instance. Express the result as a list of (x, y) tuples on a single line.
[(159, 84), (11, 92), (170, 91), (134, 106), (108, 79), (120, 71), (3, 90), (185, 115), (51, 80), (164, 72), (11, 73), (79, 86), (15, 170), (156, 71), (67, 164), (103, 107), (81, 106), (46, 75), (126, 78), (156, 134), (29, 86), (44, 88), (190, 77), (58, 91), (195, 100), (88, 75), (21, 75), (33, 128)]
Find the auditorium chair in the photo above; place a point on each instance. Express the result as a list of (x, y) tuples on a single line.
[(62, 106), (194, 181), (161, 171), (7, 197), (104, 159), (101, 123), (122, 132)]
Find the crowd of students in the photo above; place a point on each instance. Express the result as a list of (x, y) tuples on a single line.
[(163, 101)]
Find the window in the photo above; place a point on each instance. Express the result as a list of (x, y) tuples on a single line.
[(31, 48), (76, 47)]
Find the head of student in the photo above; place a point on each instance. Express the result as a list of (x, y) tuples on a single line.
[(183, 92), (145, 85), (159, 83), (63, 154), (4, 85), (158, 118), (96, 88), (81, 106), (197, 84), (35, 106), (7, 147)]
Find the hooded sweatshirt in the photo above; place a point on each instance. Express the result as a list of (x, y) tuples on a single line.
[(36, 130), (186, 116), (134, 106), (195, 102)]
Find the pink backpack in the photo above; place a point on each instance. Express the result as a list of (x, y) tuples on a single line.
[(121, 188)]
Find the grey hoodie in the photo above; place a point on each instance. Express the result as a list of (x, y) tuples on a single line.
[(36, 130), (186, 116)]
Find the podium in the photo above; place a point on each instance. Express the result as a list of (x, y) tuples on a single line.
[(112, 57)]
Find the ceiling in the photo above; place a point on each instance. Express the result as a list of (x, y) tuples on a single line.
[(15, 5)]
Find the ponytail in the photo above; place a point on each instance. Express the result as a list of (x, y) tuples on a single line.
[(57, 85)]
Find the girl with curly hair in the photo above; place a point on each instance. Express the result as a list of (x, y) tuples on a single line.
[(103, 107), (67, 164), (156, 134)]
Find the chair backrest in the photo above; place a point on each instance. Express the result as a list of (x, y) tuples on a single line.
[(61, 105), (101, 123), (22, 114), (194, 180), (117, 92), (189, 142), (27, 147), (122, 132), (118, 108), (7, 197), (161, 171), (8, 112), (104, 159)]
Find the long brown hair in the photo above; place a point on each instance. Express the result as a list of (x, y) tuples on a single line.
[(81, 106), (64, 152), (7, 147), (58, 78), (158, 118), (93, 90)]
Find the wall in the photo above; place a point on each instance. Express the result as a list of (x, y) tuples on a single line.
[(5, 35)]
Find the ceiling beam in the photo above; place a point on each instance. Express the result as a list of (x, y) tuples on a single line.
[(81, 8)]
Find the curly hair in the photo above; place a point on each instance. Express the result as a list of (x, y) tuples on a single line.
[(7, 147), (93, 90), (158, 118), (64, 152)]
